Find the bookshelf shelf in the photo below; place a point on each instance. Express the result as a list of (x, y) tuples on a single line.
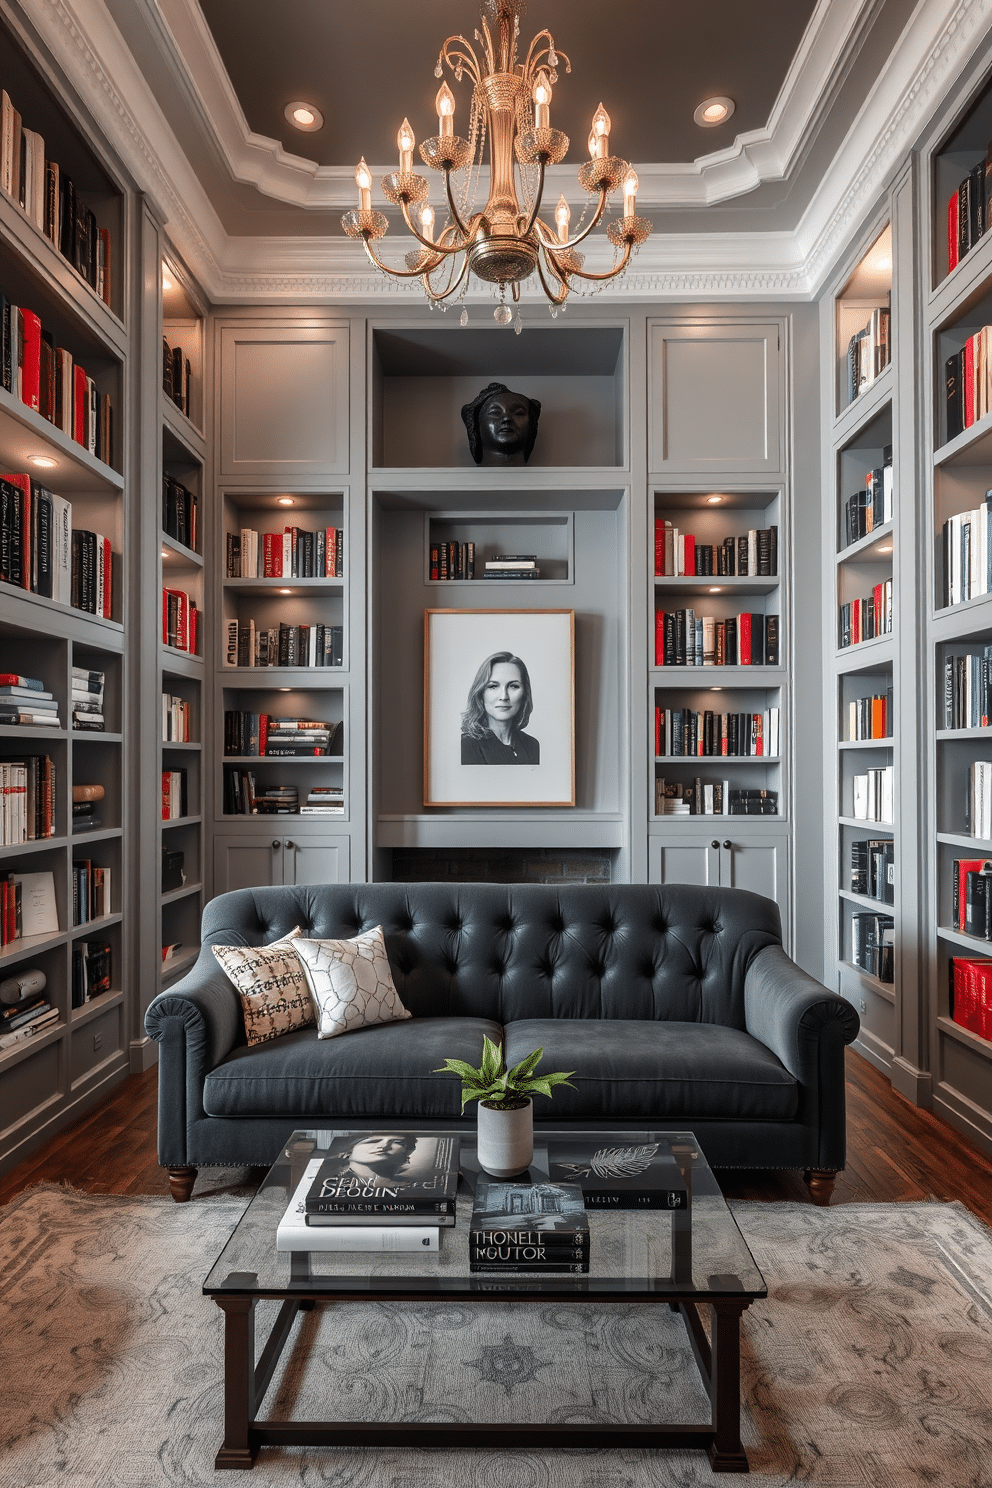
[(871, 548), (96, 1006), (870, 983), (24, 1048), (716, 584), (285, 586), (185, 892), (25, 434), (973, 1041), (180, 964), (878, 829), (860, 744), (30, 945), (91, 927), (184, 430)]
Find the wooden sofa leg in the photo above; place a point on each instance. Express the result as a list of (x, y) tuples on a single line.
[(181, 1182), (820, 1185)]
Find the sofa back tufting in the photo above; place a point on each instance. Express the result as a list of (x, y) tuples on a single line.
[(515, 951)]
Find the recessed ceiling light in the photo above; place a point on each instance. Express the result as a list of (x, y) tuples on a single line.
[(44, 462), (305, 116), (716, 689), (167, 280), (886, 549), (166, 553), (285, 591), (715, 590), (285, 689), (713, 111), (285, 501), (714, 500)]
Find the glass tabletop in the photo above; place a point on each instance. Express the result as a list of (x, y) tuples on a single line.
[(695, 1253)]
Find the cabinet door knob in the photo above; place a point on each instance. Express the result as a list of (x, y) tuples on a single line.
[(276, 842), (727, 842), (715, 843), (290, 844)]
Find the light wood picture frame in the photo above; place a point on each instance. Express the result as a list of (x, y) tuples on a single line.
[(499, 692)]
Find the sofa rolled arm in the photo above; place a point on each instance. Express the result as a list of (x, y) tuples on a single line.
[(195, 1023), (794, 1015)]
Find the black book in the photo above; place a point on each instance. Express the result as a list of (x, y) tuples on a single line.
[(625, 1176), (771, 641), (976, 203), (7, 365), (511, 1216), (43, 503), (383, 1173), (955, 406)]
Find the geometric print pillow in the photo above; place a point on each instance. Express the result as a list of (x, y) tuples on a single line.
[(271, 986), (350, 982)]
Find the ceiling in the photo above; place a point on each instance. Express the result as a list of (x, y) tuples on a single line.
[(829, 94)]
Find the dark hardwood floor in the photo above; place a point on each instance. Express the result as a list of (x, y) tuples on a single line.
[(895, 1152)]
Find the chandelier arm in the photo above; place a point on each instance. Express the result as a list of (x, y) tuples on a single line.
[(610, 273), (438, 248), (436, 296), (453, 209), (591, 227), (556, 299), (393, 273), (533, 54), (537, 202), (466, 59)]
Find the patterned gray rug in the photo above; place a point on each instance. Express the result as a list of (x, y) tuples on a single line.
[(870, 1363)]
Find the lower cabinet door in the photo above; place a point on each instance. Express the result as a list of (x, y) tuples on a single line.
[(247, 862), (758, 864), (309, 862), (684, 862)]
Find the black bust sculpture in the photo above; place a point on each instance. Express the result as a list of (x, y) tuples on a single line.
[(502, 425)]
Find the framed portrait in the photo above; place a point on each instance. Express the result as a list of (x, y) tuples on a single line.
[(499, 707)]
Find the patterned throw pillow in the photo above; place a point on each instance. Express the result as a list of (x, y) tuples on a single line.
[(350, 982), (270, 982)]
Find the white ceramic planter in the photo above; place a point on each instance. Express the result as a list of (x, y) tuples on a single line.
[(506, 1140)]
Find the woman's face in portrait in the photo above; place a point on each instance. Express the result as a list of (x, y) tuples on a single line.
[(503, 694), (504, 422)]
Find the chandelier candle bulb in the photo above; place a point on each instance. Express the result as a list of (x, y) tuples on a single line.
[(601, 126), (563, 217), (363, 180), (542, 101), (427, 221), (405, 142), (630, 186), (444, 102)]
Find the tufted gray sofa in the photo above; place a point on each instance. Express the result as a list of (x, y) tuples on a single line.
[(675, 1006)]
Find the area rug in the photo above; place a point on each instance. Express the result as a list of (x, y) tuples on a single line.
[(869, 1364)]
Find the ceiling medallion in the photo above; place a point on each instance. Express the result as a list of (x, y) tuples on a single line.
[(507, 241)]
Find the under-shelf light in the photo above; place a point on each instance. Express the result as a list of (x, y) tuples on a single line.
[(43, 462)]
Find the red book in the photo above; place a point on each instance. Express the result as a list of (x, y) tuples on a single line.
[(759, 734), (434, 563), (263, 732), (659, 638), (659, 545), (969, 382), (23, 483), (952, 233), (166, 793), (193, 628), (268, 551), (108, 578), (80, 405), (657, 731), (29, 359), (689, 565), (876, 595), (331, 554), (744, 632)]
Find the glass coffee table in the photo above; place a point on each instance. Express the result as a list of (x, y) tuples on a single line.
[(689, 1259)]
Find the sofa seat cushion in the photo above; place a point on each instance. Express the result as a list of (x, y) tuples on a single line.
[(377, 1072), (655, 1071)]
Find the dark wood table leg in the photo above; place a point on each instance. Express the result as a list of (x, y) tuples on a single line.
[(726, 1453), (239, 1382)]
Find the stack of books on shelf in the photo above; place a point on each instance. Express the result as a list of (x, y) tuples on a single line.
[(90, 891), (873, 871), (967, 689), (700, 798), (683, 638), (967, 554), (968, 383), (257, 734), (294, 553), (873, 944), (180, 513), (24, 702), (968, 211), (868, 353), (324, 800), (175, 719), (176, 377), (242, 797), (87, 699), (46, 380), (174, 795), (745, 555), (374, 1191), (686, 733), (42, 553), (971, 896), (871, 508), (452, 560), (870, 717), (539, 1227), (511, 566), (978, 811), (289, 646), (179, 621), (27, 906), (27, 799), (92, 970), (85, 799), (970, 994), (865, 619), (48, 197), (24, 1008), (873, 795)]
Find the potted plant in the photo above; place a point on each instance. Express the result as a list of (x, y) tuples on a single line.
[(506, 1110)]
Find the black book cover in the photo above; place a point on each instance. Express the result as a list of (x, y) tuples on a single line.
[(742, 556), (43, 503), (8, 368), (964, 216), (771, 641), (952, 381), (976, 203), (510, 1214), (731, 624), (378, 1173), (621, 1176)]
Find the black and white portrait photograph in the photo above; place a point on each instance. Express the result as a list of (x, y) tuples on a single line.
[(499, 708)]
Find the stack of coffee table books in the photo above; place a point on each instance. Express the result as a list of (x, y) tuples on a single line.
[(373, 1191), (528, 1227), (622, 1175)]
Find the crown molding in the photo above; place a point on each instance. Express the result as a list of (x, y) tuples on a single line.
[(930, 55)]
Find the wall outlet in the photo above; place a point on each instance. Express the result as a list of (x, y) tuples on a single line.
[(864, 1006), (97, 1042)]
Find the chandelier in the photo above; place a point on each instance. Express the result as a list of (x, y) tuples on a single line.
[(508, 241)]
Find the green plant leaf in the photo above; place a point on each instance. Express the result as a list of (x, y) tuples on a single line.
[(525, 1068), (457, 1067), (492, 1060)]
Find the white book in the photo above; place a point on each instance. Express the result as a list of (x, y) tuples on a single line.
[(886, 793), (61, 550), (887, 489), (725, 811), (6, 142), (709, 640), (39, 915), (707, 800), (287, 555), (860, 784), (293, 1232)]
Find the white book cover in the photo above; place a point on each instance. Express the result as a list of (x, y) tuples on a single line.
[(887, 489), (39, 915), (886, 802), (287, 555), (293, 1232), (61, 550), (726, 798), (860, 797)]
